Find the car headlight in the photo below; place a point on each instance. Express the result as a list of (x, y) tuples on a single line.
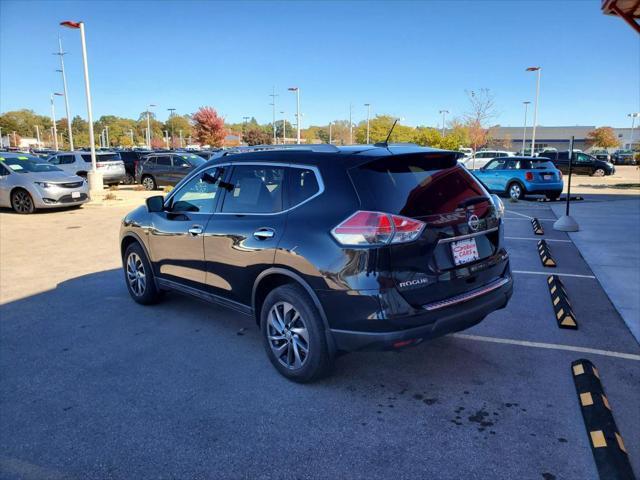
[(44, 184), (497, 202)]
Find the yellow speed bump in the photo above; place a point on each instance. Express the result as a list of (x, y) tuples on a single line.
[(537, 227), (561, 303), (545, 254)]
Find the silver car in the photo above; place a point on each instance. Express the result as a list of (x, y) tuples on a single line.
[(79, 163), (28, 183)]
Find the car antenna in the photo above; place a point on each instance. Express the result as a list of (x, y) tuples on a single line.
[(386, 141)]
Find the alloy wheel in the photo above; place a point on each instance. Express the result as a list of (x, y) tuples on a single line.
[(136, 275), (148, 183), (515, 191), (22, 202), (599, 173), (288, 335)]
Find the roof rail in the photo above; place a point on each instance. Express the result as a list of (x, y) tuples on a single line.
[(319, 147)]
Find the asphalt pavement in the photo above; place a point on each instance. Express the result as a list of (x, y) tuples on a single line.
[(96, 386)]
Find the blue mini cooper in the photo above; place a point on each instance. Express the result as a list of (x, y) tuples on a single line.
[(519, 176)]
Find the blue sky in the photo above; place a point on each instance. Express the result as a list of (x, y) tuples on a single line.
[(409, 59)]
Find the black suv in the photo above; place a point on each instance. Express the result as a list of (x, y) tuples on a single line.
[(330, 249), (166, 168), (131, 159), (582, 164)]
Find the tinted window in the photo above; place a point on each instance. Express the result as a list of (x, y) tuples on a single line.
[(495, 165), (66, 159), (414, 185), (583, 158), (180, 162), (3, 170), (151, 161), (199, 194), (254, 189), (513, 164), (103, 157), (163, 161), (303, 184)]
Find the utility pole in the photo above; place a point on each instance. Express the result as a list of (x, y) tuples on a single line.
[(443, 113), (524, 132), (61, 54), (368, 105), (273, 105)]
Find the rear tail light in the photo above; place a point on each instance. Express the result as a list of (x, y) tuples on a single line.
[(99, 164), (376, 228), (528, 176)]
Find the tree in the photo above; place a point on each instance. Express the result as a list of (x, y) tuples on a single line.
[(24, 122), (208, 128), (175, 124), (603, 137), (481, 110), (257, 136), (428, 137), (379, 128)]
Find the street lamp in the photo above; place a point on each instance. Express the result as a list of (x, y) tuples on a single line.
[(350, 124), (171, 114), (297, 90), (535, 108), (284, 129), (443, 113), (330, 125), (273, 105), (368, 105), (61, 54), (94, 177), (149, 125), (633, 124), (524, 132), (53, 120)]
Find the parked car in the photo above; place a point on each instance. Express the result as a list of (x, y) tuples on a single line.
[(601, 155), (519, 176), (582, 164), (131, 160), (43, 153), (623, 157), (28, 183), (485, 156), (331, 249), (164, 169), (79, 163)]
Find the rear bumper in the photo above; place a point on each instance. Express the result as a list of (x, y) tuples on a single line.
[(544, 188), (112, 175), (438, 322)]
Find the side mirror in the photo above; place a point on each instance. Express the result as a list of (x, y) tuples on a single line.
[(155, 204)]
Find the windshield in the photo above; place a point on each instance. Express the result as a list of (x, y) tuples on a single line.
[(28, 164), (194, 160)]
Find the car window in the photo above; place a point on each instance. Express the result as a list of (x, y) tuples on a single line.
[(180, 162), (254, 189), (303, 184), (495, 165), (582, 158), (3, 170), (65, 159), (101, 157), (198, 194), (151, 161), (163, 161), (513, 165)]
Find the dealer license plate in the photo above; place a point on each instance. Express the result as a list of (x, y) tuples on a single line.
[(464, 251), (75, 194)]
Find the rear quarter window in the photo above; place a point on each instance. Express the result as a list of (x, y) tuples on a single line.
[(303, 184)]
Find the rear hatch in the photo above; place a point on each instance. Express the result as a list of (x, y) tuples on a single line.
[(106, 161), (459, 247), (542, 172)]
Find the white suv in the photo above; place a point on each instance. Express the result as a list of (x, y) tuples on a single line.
[(79, 163), (483, 157)]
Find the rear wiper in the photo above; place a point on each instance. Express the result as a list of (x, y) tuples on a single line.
[(473, 201)]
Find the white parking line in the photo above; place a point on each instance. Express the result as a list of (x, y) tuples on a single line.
[(538, 239), (554, 273), (541, 219), (521, 214), (549, 346)]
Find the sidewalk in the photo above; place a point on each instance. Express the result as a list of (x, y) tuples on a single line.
[(609, 241)]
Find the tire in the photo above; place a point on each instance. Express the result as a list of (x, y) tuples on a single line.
[(148, 182), (129, 179), (285, 343), (21, 202), (515, 191), (599, 172), (142, 288)]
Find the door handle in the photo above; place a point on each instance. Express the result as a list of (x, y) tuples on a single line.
[(264, 233), (195, 230)]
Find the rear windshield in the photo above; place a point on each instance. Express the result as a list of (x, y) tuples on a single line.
[(102, 157), (537, 164), (415, 185)]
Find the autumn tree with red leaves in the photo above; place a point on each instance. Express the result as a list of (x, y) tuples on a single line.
[(208, 128)]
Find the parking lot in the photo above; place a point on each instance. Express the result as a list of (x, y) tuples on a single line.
[(97, 386)]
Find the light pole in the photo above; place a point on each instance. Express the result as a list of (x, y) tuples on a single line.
[(149, 125), (443, 113), (535, 107), (37, 136), (94, 177), (284, 129), (350, 124), (131, 136), (171, 114), (61, 54), (244, 127), (524, 132), (368, 105), (106, 128), (297, 90), (53, 120), (273, 105), (633, 125), (180, 138), (330, 140)]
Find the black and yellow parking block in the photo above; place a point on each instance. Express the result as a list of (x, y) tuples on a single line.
[(608, 449), (560, 199), (537, 228), (545, 254), (561, 304)]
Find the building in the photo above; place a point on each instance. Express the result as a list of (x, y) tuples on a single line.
[(510, 138)]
